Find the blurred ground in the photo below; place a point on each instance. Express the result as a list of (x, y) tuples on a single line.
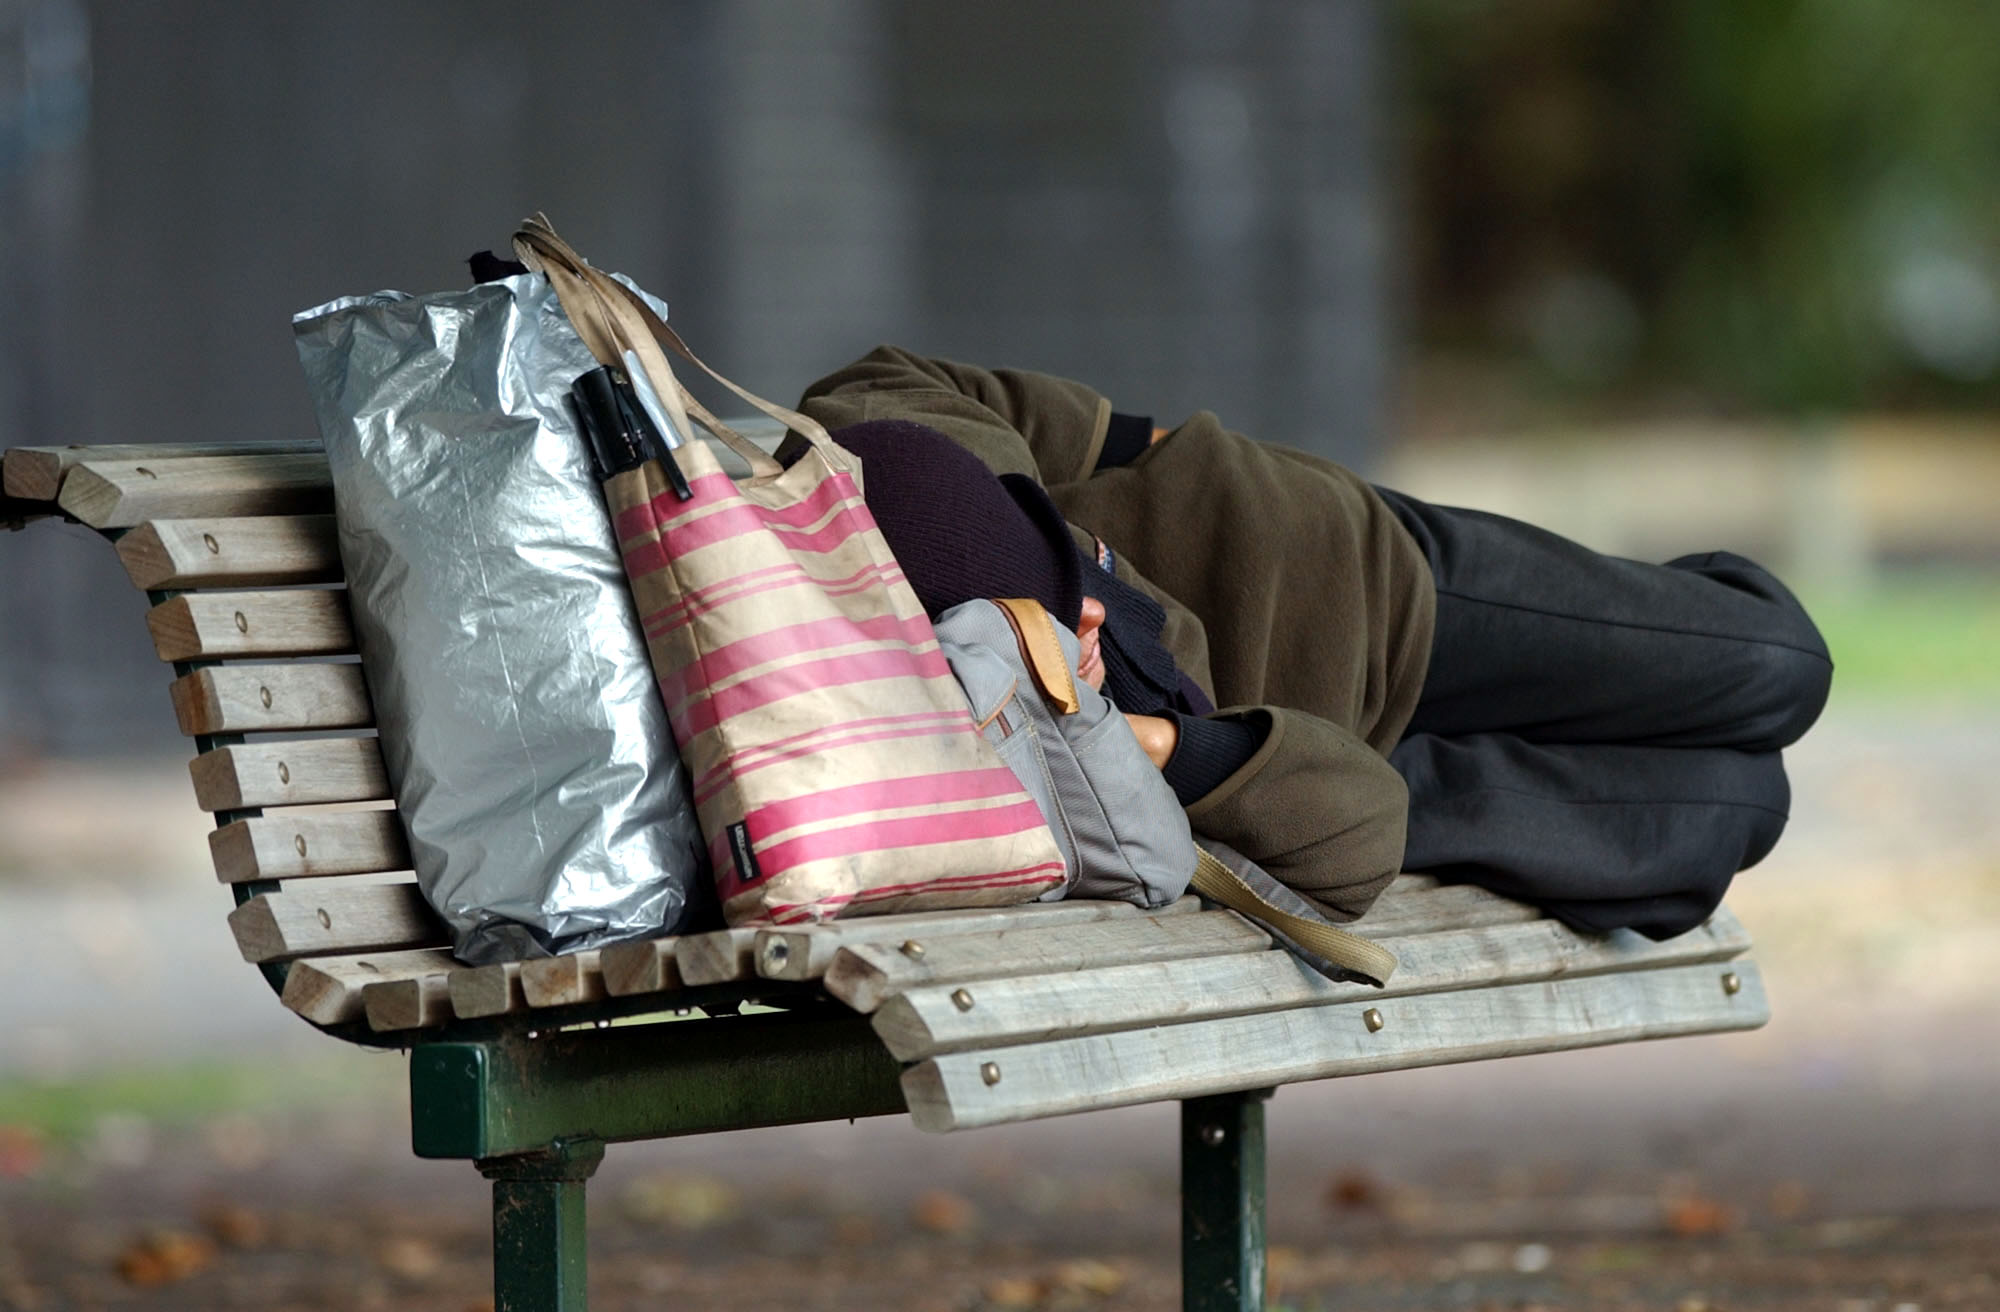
[(172, 1139)]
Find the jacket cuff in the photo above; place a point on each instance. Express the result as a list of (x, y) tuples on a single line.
[(1209, 752), (1126, 437)]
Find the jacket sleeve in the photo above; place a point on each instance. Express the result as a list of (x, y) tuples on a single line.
[(1317, 807), (1016, 421)]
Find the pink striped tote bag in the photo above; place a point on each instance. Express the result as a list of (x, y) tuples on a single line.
[(837, 769)]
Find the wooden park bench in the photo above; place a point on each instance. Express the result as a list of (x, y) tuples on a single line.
[(959, 1019)]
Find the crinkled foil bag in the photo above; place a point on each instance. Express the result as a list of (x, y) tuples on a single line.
[(527, 744)]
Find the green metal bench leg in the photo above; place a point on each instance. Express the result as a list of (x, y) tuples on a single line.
[(1222, 1202), (539, 1262)]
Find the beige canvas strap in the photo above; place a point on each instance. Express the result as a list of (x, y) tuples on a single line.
[(1042, 651), (1218, 883), (611, 318)]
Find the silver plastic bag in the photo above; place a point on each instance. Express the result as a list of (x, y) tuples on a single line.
[(529, 751)]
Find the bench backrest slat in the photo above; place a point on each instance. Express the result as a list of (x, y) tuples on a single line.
[(289, 774), (35, 473), (122, 493), (309, 845), (231, 553), (209, 626), (334, 918), (269, 698)]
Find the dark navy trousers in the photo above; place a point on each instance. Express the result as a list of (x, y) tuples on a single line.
[(1601, 736)]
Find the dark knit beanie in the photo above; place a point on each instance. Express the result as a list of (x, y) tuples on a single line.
[(957, 530)]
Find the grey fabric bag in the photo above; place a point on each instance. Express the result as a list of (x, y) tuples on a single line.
[(1122, 831)]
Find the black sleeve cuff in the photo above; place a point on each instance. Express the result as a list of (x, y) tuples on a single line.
[(1209, 751), (1125, 437)]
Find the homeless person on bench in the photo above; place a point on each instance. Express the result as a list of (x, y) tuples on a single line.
[(1406, 686)]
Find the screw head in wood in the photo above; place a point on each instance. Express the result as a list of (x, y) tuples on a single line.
[(913, 949), (242, 622), (264, 696), (990, 1072), (776, 953), (1213, 1135), (299, 842), (961, 999), (1373, 1020), (214, 547), (284, 773), (325, 921), (1732, 983)]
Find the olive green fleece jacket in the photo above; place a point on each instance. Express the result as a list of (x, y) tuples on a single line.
[(1292, 594)]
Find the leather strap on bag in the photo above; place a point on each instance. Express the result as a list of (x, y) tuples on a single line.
[(1218, 883), (611, 318), (1043, 652)]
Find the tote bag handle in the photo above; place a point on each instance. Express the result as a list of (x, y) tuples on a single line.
[(611, 319)]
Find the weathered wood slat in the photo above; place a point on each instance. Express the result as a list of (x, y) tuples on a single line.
[(407, 1004), (334, 919), (803, 952), (296, 846), (563, 980), (645, 966), (718, 957), (121, 493), (226, 625), (231, 553), (290, 774), (1415, 909), (261, 698), (480, 991), (328, 990), (36, 472), (994, 1085), (865, 975), (991, 1013)]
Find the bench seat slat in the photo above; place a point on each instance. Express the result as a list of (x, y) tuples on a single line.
[(262, 698), (304, 846), (715, 958), (227, 625), (865, 975), (803, 952), (421, 1002), (942, 1018), (121, 493), (646, 966), (327, 990), (995, 1085), (480, 991), (290, 774), (562, 981), (1419, 909), (36, 472), (328, 920), (231, 553)]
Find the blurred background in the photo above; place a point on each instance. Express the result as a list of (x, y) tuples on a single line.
[(1662, 277)]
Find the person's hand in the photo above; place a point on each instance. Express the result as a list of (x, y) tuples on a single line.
[(1157, 734)]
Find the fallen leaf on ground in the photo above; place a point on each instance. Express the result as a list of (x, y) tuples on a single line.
[(1089, 1276), (943, 1213), (1013, 1291), (1354, 1190), (410, 1257), (1696, 1217), (20, 1152), (164, 1257), (234, 1226), (685, 1202)]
